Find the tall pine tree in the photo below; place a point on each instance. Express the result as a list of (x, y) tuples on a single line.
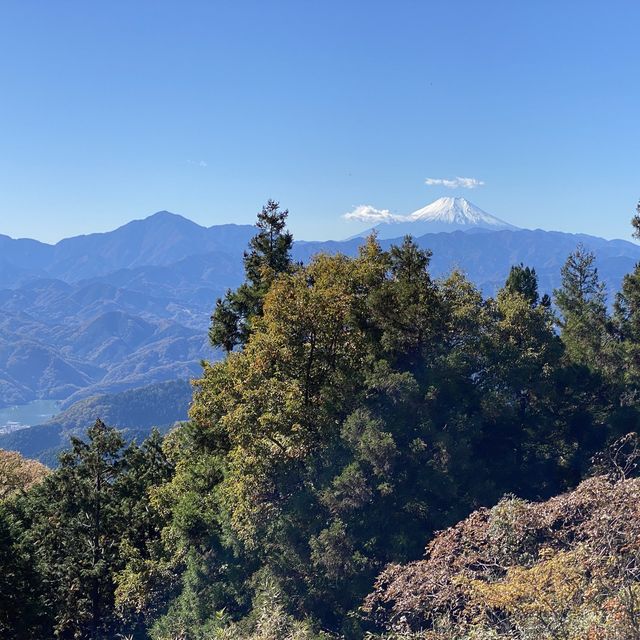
[(581, 300), (269, 255), (524, 280)]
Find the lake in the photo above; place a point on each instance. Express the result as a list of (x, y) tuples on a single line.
[(26, 415)]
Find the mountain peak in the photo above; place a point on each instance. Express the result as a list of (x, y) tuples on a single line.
[(459, 212), (163, 216), (440, 216)]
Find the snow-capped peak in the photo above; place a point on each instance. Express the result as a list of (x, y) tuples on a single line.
[(442, 215), (459, 212)]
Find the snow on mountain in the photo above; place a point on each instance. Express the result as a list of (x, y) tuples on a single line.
[(457, 211), (442, 215)]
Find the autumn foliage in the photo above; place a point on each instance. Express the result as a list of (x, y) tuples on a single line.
[(565, 568), (18, 474)]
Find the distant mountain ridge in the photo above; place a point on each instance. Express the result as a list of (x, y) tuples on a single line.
[(158, 240), (107, 312)]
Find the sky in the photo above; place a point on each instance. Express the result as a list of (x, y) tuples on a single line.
[(111, 111)]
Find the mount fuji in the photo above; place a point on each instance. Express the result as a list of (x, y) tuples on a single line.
[(442, 215)]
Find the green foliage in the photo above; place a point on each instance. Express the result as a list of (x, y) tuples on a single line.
[(269, 255), (523, 280), (88, 521), (269, 620), (368, 407), (581, 301), (627, 322), (371, 406), (75, 513), (23, 610), (635, 222)]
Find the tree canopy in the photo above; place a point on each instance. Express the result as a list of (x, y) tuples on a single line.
[(362, 406)]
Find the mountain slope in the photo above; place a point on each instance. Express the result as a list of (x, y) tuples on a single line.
[(135, 411), (68, 341)]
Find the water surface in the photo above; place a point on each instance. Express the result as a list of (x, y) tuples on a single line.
[(26, 415)]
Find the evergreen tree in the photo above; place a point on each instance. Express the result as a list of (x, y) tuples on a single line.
[(405, 305), (627, 319), (635, 222), (581, 300), (144, 578), (269, 255), (523, 280), (24, 613), (627, 306), (75, 531), (89, 526)]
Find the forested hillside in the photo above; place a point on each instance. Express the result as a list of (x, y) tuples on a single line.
[(362, 406), (134, 412), (124, 309)]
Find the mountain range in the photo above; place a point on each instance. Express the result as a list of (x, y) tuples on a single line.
[(112, 311)]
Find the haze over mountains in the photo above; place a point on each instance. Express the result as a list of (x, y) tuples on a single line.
[(112, 311)]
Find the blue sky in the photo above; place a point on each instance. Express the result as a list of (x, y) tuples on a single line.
[(111, 111)]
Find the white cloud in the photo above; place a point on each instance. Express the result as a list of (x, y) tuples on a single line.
[(454, 183), (367, 213), (197, 163)]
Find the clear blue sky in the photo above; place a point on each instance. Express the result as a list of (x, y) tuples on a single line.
[(113, 110)]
